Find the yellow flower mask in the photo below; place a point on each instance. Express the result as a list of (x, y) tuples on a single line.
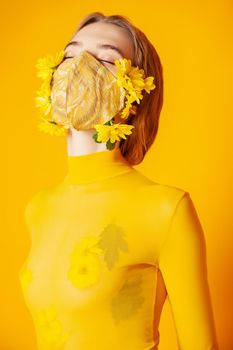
[(83, 93)]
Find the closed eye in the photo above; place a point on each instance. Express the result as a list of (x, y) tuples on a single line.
[(100, 60), (107, 62)]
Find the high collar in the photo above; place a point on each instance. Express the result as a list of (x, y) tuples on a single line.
[(96, 166)]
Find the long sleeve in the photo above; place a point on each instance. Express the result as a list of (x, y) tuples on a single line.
[(183, 264)]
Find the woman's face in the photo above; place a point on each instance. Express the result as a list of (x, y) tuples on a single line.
[(105, 41)]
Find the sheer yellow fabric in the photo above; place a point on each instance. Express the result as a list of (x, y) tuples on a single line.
[(108, 246)]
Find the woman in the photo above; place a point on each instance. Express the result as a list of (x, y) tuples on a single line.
[(108, 244)]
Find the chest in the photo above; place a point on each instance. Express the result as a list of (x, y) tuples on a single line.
[(87, 251)]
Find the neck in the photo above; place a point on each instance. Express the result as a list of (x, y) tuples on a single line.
[(81, 142), (90, 162)]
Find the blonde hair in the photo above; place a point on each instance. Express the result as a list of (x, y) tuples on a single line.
[(146, 120)]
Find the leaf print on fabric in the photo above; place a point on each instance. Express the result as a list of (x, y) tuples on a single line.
[(51, 328), (86, 257), (128, 300), (85, 267), (111, 242), (25, 276)]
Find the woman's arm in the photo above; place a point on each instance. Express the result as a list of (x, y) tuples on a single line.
[(182, 262)]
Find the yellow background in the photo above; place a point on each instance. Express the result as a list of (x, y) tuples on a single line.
[(193, 149)]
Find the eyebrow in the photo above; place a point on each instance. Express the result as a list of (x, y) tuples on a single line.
[(102, 46)]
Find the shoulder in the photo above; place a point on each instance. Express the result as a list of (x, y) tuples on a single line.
[(158, 194), (35, 198), (170, 199), (33, 205), (43, 195), (37, 203), (154, 199), (46, 195)]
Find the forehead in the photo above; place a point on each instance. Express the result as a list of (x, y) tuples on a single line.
[(106, 33)]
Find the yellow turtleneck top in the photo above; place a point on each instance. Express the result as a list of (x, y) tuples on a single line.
[(108, 245)]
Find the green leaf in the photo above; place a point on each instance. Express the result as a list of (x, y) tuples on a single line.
[(94, 136), (110, 122), (110, 145), (128, 299), (112, 241)]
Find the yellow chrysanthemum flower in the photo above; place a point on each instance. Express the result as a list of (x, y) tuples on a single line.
[(130, 78), (85, 264), (84, 270), (124, 65), (148, 84), (133, 80), (43, 100), (47, 65), (126, 111), (112, 132), (51, 327), (89, 244), (133, 87), (129, 108), (52, 128)]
